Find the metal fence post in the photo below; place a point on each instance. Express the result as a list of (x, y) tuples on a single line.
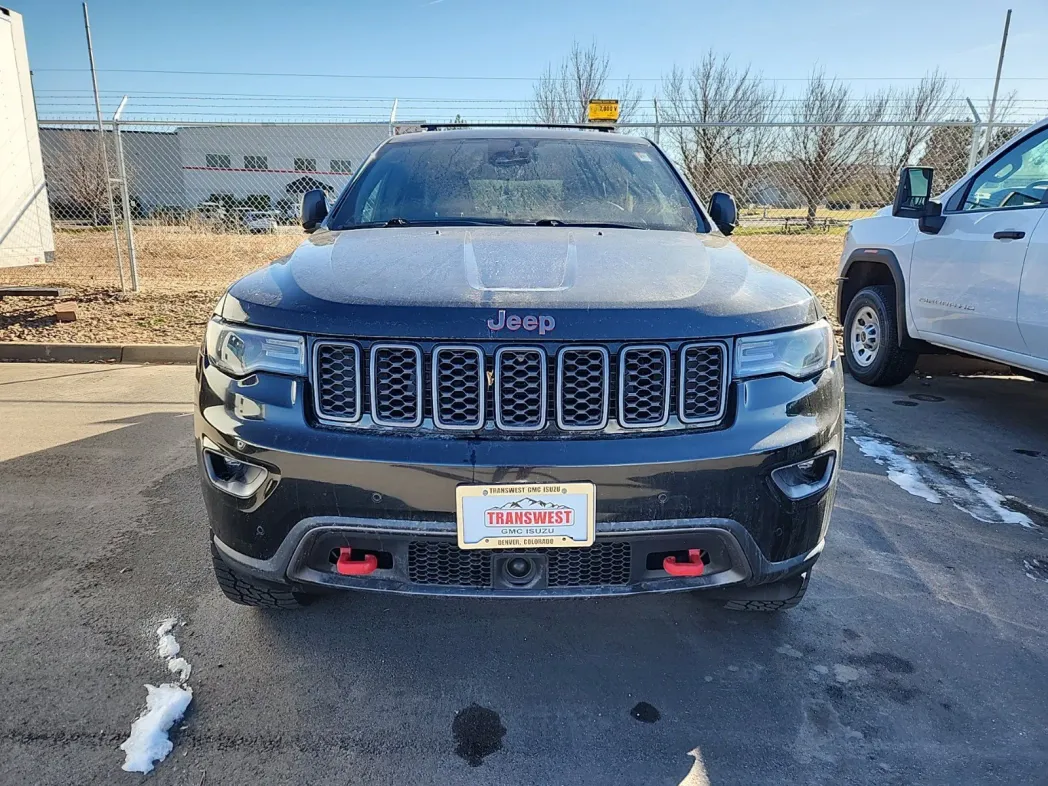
[(125, 196), (973, 151), (655, 103), (105, 154)]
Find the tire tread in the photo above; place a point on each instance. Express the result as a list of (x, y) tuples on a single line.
[(770, 606), (248, 591)]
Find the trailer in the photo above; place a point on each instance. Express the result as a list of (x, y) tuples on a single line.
[(26, 236)]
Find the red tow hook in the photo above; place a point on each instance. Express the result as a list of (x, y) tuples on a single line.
[(355, 567), (693, 567)]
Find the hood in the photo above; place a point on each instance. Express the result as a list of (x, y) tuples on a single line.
[(469, 283)]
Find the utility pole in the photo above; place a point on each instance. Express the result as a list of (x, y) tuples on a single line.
[(105, 155), (997, 84)]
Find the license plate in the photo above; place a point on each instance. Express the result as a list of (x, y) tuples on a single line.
[(526, 515)]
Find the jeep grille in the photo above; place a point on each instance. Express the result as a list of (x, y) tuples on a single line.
[(520, 389)]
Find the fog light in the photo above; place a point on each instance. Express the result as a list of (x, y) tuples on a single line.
[(805, 478), (235, 477)]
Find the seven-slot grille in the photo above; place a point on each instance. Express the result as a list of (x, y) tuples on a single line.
[(578, 388)]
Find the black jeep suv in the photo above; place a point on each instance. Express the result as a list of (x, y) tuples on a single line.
[(518, 363)]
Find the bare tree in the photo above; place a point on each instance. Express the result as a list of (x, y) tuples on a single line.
[(562, 94), (720, 105), (892, 147), (79, 174), (948, 148), (831, 139)]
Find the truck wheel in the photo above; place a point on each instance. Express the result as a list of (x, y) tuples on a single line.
[(777, 596), (871, 339), (249, 591)]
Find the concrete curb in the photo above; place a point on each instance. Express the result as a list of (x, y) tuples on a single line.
[(98, 353)]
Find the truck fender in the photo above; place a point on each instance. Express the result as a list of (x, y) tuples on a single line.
[(870, 267)]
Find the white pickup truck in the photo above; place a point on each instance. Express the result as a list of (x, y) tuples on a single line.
[(964, 273)]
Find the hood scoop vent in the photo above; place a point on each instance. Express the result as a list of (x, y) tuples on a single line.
[(549, 266)]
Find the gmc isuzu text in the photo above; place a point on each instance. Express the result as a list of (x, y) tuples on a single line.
[(518, 362)]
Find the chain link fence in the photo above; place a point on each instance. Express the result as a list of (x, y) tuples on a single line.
[(196, 205)]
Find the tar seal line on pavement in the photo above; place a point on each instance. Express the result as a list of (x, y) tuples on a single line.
[(165, 706)]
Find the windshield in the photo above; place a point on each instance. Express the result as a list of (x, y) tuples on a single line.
[(553, 182)]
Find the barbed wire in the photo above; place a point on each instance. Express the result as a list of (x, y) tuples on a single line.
[(490, 78)]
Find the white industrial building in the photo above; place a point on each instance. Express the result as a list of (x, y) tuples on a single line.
[(179, 168), (25, 221)]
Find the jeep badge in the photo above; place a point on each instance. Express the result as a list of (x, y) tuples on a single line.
[(543, 323)]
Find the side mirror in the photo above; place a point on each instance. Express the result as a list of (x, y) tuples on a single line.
[(913, 192), (723, 212), (314, 209), (932, 219)]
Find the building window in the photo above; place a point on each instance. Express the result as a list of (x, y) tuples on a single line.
[(217, 161), (305, 165), (255, 162), (342, 166)]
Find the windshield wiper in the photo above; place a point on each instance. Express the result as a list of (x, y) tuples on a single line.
[(556, 222), (397, 221)]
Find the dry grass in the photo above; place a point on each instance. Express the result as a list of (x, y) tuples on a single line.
[(799, 212), (183, 273), (811, 259)]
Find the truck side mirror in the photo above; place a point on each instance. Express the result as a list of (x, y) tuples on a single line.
[(723, 212), (931, 219), (913, 192), (314, 209)]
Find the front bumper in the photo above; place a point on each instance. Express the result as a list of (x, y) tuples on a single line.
[(394, 495)]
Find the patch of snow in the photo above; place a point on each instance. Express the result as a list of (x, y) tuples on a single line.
[(851, 420), (902, 470), (789, 651), (995, 502), (179, 667), (166, 646), (934, 477), (821, 669), (845, 674), (148, 742), (1036, 570)]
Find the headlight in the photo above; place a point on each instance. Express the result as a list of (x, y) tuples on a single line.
[(240, 351), (796, 353)]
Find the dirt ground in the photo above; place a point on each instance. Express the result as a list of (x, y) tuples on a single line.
[(183, 273)]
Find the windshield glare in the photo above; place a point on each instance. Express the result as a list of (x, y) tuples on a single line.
[(518, 181)]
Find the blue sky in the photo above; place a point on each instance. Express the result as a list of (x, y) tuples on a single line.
[(873, 43)]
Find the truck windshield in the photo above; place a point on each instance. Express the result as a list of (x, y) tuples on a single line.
[(518, 180)]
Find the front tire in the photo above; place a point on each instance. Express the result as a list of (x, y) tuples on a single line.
[(246, 590), (871, 339)]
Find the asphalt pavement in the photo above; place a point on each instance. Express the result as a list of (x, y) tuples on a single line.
[(919, 655)]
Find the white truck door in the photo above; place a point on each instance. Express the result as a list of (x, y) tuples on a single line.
[(964, 281), (1033, 293)]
